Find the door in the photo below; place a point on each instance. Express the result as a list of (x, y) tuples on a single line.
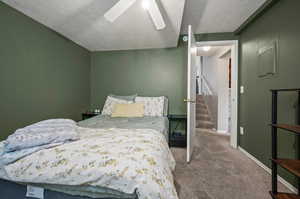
[(234, 95), (191, 92)]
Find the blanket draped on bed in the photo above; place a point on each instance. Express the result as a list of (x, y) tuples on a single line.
[(121, 159), (38, 136)]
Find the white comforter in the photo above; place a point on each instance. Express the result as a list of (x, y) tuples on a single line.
[(125, 160), (42, 133)]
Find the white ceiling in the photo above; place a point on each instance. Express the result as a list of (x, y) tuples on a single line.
[(82, 21), (213, 16)]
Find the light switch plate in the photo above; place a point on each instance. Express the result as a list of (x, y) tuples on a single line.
[(242, 130), (242, 89)]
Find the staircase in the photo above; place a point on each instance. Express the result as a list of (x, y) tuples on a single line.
[(203, 119)]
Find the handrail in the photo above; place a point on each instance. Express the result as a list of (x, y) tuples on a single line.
[(206, 84)]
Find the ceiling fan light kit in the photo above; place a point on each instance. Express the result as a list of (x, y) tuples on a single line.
[(150, 5), (145, 4)]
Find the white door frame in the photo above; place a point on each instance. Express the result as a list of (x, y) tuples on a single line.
[(234, 80)]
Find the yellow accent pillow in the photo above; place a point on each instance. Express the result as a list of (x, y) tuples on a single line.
[(128, 110)]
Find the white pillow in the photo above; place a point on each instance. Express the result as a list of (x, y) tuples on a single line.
[(154, 106), (110, 103)]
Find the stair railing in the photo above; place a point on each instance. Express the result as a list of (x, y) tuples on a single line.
[(205, 88)]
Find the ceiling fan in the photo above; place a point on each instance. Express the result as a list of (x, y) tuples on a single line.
[(150, 5)]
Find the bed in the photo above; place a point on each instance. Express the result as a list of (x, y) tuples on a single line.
[(142, 140), (161, 124)]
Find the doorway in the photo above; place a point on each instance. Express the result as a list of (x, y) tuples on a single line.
[(217, 87)]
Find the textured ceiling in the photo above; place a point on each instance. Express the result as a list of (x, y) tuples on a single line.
[(212, 16), (82, 21)]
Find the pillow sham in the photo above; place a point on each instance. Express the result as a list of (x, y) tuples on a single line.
[(154, 106), (127, 98), (128, 110), (110, 103)]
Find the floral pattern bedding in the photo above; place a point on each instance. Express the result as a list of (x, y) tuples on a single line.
[(42, 133), (135, 160), (110, 103), (154, 106)]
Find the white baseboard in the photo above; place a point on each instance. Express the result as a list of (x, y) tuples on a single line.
[(223, 132), (267, 169)]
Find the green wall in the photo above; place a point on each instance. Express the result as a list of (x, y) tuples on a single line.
[(279, 23), (153, 72), (42, 75)]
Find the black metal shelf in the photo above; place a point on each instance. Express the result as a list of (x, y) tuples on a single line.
[(293, 166), (290, 165), (286, 89), (284, 196), (288, 127)]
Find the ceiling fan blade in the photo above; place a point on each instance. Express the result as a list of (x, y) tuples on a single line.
[(118, 9), (156, 16)]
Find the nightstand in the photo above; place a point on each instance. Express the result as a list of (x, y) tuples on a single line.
[(177, 130), (88, 115)]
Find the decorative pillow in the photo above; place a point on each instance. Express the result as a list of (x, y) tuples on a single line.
[(154, 106), (127, 98), (128, 110), (110, 103)]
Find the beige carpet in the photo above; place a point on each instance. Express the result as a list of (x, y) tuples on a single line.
[(219, 172)]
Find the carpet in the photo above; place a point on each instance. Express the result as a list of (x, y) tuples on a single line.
[(218, 171)]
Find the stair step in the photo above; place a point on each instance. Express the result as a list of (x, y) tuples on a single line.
[(200, 99), (284, 196), (201, 111), (292, 166), (204, 117), (200, 105), (204, 124)]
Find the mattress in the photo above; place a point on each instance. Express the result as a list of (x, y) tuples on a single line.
[(159, 124)]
